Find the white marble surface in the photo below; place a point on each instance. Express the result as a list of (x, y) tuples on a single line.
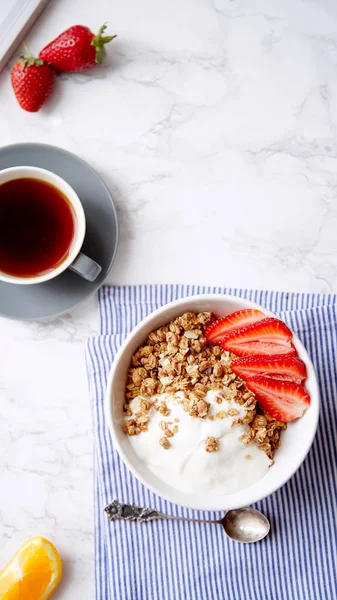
[(214, 124)]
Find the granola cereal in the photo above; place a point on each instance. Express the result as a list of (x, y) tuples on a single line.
[(211, 444), (176, 360), (164, 443)]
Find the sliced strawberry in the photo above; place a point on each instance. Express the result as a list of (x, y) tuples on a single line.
[(270, 336), (283, 400), (217, 330), (265, 348), (279, 366)]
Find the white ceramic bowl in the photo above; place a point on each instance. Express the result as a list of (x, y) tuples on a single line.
[(296, 440)]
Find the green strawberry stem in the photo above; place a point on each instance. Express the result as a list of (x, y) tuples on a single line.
[(29, 60), (99, 41)]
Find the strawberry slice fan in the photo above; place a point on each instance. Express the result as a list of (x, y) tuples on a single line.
[(267, 361)]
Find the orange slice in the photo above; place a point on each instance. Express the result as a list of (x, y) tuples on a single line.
[(33, 573)]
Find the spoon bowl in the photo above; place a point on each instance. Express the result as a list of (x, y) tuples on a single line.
[(245, 525)]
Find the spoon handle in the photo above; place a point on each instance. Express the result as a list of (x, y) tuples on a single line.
[(129, 512)]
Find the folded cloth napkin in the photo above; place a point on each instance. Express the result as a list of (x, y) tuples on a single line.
[(168, 560)]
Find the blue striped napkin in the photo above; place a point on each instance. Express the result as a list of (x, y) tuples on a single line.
[(171, 560)]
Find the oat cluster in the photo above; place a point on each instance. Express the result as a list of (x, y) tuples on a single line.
[(176, 359), (211, 444), (265, 431)]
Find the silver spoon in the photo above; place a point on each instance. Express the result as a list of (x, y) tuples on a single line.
[(243, 525)]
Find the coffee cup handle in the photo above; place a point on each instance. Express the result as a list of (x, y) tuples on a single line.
[(85, 267)]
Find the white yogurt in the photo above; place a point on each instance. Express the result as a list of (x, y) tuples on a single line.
[(186, 465)]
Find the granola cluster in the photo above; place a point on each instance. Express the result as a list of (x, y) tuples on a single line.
[(265, 431), (177, 360), (211, 444)]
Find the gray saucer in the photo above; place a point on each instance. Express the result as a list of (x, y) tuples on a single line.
[(68, 289)]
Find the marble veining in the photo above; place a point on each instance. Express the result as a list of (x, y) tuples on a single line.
[(213, 122)]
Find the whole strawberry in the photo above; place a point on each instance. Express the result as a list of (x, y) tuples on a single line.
[(32, 82), (76, 49)]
